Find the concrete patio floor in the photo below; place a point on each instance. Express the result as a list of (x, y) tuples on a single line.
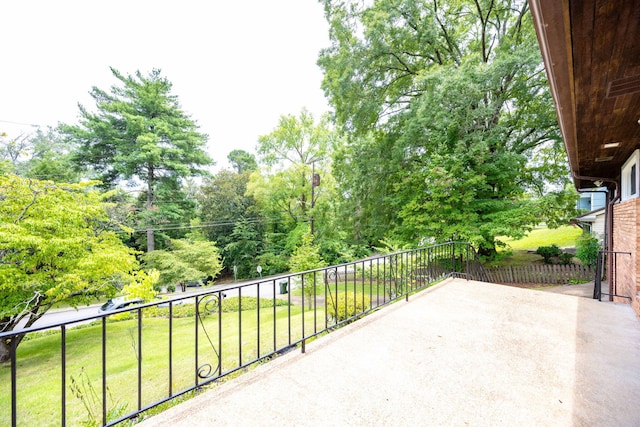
[(462, 353)]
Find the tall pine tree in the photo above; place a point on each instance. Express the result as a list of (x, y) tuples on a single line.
[(139, 132)]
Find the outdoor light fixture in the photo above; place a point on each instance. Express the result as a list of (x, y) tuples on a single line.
[(604, 159), (598, 183), (611, 145)]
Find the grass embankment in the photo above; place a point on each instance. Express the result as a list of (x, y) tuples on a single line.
[(521, 252), (375, 292), (245, 338), (39, 368)]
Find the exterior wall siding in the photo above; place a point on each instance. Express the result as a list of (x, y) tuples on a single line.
[(626, 238), (599, 227)]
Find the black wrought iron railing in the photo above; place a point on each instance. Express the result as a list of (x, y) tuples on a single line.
[(110, 367), (607, 271)]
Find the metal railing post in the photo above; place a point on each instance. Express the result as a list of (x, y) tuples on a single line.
[(304, 347), (139, 359), (597, 285), (467, 261), (14, 381), (195, 352), (63, 380), (104, 370)]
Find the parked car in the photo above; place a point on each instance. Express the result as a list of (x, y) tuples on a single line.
[(195, 284), (119, 302)]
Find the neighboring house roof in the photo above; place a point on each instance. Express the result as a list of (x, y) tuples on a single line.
[(592, 222), (589, 216)]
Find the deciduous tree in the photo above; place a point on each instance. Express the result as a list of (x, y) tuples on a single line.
[(290, 154), (446, 108), (242, 161), (223, 206), (285, 188), (57, 244), (187, 260), (244, 246)]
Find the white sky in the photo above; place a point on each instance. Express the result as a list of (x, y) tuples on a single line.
[(236, 66)]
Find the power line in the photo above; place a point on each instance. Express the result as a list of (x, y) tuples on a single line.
[(19, 123), (170, 227), (218, 223)]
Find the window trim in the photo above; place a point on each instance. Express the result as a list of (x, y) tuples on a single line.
[(629, 172)]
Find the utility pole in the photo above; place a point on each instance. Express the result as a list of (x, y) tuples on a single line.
[(315, 182)]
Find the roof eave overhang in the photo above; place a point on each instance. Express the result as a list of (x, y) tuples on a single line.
[(553, 29)]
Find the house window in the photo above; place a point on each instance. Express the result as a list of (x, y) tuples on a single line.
[(629, 177)]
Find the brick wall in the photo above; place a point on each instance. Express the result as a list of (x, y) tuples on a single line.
[(626, 238)]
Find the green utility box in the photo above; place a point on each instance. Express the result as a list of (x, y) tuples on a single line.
[(283, 287)]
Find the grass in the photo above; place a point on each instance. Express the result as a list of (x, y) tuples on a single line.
[(350, 286), (39, 362), (564, 237), (520, 252), (243, 339)]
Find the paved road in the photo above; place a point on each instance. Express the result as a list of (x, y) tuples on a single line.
[(246, 288)]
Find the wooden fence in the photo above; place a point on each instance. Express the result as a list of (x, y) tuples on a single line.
[(544, 274)]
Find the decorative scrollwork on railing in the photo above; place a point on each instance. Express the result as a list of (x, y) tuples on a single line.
[(204, 370), (330, 275), (209, 304)]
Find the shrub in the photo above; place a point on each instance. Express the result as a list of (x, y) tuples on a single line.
[(346, 306), (171, 288), (565, 258), (548, 252), (307, 257), (250, 303), (229, 305), (272, 263), (587, 250)]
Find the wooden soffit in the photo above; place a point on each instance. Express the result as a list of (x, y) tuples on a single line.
[(591, 51)]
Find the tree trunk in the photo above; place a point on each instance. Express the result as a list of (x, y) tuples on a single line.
[(151, 244), (5, 351), (9, 324), (5, 348), (487, 252)]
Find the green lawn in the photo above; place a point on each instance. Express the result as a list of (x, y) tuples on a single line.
[(520, 252), (564, 237), (372, 290), (39, 361), (244, 339)]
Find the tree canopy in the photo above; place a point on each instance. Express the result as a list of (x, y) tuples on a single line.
[(231, 218), (57, 244), (139, 132), (290, 153), (294, 186), (188, 260), (41, 155), (446, 108), (242, 161)]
